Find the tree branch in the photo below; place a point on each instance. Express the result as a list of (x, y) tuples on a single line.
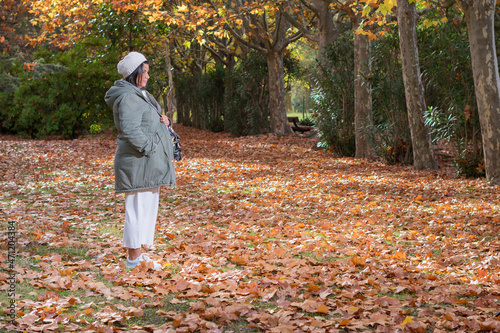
[(293, 38), (310, 6), (245, 42), (305, 31), (277, 29), (215, 54)]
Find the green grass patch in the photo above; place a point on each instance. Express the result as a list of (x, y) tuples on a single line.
[(241, 326), (300, 115), (111, 229), (39, 251), (402, 296)]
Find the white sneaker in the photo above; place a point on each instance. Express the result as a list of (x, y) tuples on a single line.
[(143, 257)]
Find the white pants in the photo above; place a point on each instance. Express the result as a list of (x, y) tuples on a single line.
[(141, 210)]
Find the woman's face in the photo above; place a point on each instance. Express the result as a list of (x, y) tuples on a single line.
[(142, 79)]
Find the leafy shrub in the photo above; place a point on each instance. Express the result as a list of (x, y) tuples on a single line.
[(202, 96), (397, 154), (445, 65), (333, 99), (60, 94), (8, 83), (447, 74), (443, 126), (235, 100), (452, 114), (390, 135), (210, 96), (307, 121), (469, 164), (246, 102)]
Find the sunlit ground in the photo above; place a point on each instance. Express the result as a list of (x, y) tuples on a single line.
[(261, 234)]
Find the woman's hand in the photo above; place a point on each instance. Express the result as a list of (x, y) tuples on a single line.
[(164, 119)]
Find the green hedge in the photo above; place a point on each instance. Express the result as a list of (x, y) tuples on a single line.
[(58, 94)]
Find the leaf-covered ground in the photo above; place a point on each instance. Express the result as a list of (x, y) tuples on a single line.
[(262, 234)]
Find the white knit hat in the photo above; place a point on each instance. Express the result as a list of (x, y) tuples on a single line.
[(130, 63)]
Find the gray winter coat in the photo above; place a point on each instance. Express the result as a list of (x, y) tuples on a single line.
[(144, 156)]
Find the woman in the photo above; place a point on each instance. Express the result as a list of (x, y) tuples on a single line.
[(144, 158)]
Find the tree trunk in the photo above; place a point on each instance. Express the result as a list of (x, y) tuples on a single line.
[(228, 89), (182, 100), (170, 93), (180, 109), (363, 117), (277, 107), (327, 31), (479, 15), (423, 155), (181, 119)]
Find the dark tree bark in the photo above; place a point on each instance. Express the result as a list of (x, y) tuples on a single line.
[(170, 94), (327, 29), (423, 155), (279, 124), (363, 114)]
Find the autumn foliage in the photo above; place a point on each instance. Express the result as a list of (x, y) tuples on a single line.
[(262, 234)]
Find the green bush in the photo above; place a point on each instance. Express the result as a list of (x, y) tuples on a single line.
[(246, 107), (452, 114), (60, 94), (447, 75), (469, 165), (210, 95), (307, 121), (390, 135), (333, 98), (443, 125), (236, 100), (202, 96)]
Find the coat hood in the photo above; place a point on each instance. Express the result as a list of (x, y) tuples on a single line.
[(117, 91)]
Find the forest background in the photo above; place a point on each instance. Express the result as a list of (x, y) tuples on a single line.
[(241, 67), (364, 243)]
